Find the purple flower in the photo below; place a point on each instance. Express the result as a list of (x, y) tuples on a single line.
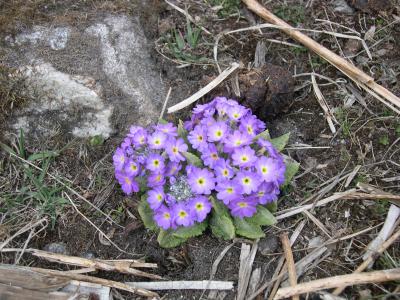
[(267, 193), (132, 168), (126, 144), (128, 184), (228, 190), (210, 155), (155, 197), (235, 140), (199, 208), (201, 181), (132, 130), (244, 157), (267, 145), (140, 137), (155, 163), (168, 129), (268, 168), (205, 110), (246, 207), (198, 137), (221, 105), (223, 170), (236, 112), (157, 140), (251, 125), (217, 131), (172, 169), (182, 215), (248, 180), (207, 122), (119, 159), (155, 179), (175, 149), (163, 217)]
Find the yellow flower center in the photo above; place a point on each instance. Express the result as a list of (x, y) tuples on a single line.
[(167, 216), (182, 214), (249, 129), (225, 172), (244, 158), (199, 206), (133, 167), (158, 178), (236, 115), (229, 190), (218, 133), (264, 170), (175, 150), (127, 180), (141, 140), (214, 156), (242, 204), (200, 138), (157, 142), (201, 181), (238, 142), (246, 180), (159, 197), (156, 162)]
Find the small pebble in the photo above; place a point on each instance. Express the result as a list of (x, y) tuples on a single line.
[(268, 245), (58, 248)]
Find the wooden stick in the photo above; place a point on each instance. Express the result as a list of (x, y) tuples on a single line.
[(118, 266), (184, 285), (290, 262), (366, 81), (371, 258), (330, 282)]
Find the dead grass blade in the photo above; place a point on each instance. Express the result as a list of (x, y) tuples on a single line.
[(213, 84), (290, 262)]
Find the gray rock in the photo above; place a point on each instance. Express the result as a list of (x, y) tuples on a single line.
[(88, 79), (341, 6), (59, 248), (268, 245)]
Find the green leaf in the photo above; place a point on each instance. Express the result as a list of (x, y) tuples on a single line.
[(248, 229), (193, 159), (96, 140), (292, 167), (188, 232), (222, 226), (264, 135), (42, 155), (272, 207), (146, 214), (180, 42), (167, 239), (182, 131), (219, 207), (7, 149), (281, 141), (142, 180), (262, 217)]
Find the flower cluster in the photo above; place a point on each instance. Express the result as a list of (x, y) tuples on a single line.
[(240, 168)]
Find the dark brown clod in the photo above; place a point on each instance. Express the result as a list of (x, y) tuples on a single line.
[(268, 91)]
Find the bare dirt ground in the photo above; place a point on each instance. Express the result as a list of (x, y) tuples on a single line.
[(367, 139)]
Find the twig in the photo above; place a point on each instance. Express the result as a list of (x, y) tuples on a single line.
[(361, 78), (318, 223), (352, 175), (246, 264), (281, 267), (165, 104), (23, 230), (330, 282), (372, 258), (221, 77), (183, 285), (290, 262), (126, 267)]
